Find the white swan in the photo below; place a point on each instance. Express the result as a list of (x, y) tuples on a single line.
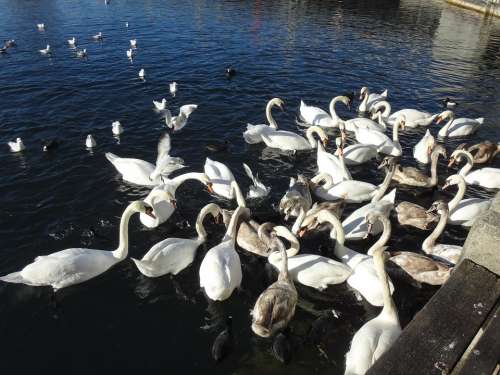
[(364, 277), (376, 336), (485, 177), (331, 164), (384, 144), (422, 150), (457, 127), (72, 42), (90, 141), (364, 123), (116, 128), (173, 88), (223, 182), (413, 117), (358, 153), (352, 191), (316, 116), (172, 255), (368, 100), (258, 189), (220, 270), (160, 106), (46, 50), (464, 211), (312, 270), (253, 133), (180, 121), (76, 265), (449, 253), (289, 141), (17, 145), (141, 172), (164, 208)]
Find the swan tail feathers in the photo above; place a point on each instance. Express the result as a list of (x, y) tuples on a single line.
[(14, 277), (480, 120), (249, 173), (111, 157), (385, 93), (252, 134)]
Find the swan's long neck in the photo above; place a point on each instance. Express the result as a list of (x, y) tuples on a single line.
[(334, 101), (386, 234), (389, 309), (448, 124), (310, 138), (395, 131), (200, 228), (233, 224), (387, 108), (468, 166), (336, 226), (179, 180), (385, 185), (269, 115), (458, 196), (235, 190), (434, 162), (284, 275), (299, 220), (122, 251), (430, 241), (381, 121)]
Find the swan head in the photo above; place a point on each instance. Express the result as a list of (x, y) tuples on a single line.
[(143, 208), (440, 207), (446, 115), (456, 157), (401, 121), (388, 161), (339, 143), (454, 179), (371, 218), (363, 92), (278, 103)]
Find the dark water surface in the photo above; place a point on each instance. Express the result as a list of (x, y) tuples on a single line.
[(122, 322)]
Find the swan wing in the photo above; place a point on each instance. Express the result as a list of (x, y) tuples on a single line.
[(217, 170), (164, 146)]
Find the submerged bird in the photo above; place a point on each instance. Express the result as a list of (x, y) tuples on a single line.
[(17, 145), (224, 342), (142, 74), (116, 128), (46, 50), (90, 141), (216, 146), (258, 189), (77, 265), (160, 106), (10, 43), (173, 88), (180, 121), (3, 50), (230, 72), (49, 144)]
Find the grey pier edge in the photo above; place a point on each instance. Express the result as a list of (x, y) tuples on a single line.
[(458, 331), (488, 7)]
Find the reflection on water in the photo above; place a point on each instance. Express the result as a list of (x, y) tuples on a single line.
[(421, 51)]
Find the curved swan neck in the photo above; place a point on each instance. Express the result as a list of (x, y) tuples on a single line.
[(384, 237), (434, 162), (468, 166), (334, 101), (269, 115), (336, 226), (283, 275), (309, 135), (387, 108), (430, 241), (235, 190), (323, 177), (451, 117), (385, 184), (459, 195), (211, 208), (298, 221), (395, 131), (179, 180), (389, 309), (233, 223), (122, 251)]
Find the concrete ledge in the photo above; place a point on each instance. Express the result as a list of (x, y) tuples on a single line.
[(483, 242), (485, 7)]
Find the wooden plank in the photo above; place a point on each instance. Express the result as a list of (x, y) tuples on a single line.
[(485, 355), (440, 333)]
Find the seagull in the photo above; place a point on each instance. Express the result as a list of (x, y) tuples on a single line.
[(16, 146), (178, 122), (165, 164), (82, 53), (126, 24), (98, 36), (41, 26), (160, 106), (116, 128), (90, 141), (142, 74), (133, 43), (72, 42), (173, 88), (130, 54), (46, 51)]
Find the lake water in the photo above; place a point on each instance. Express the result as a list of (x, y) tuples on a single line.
[(421, 51)]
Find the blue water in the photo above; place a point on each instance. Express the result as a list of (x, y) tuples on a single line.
[(421, 51)]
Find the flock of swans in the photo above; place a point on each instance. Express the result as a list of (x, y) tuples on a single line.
[(332, 188)]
